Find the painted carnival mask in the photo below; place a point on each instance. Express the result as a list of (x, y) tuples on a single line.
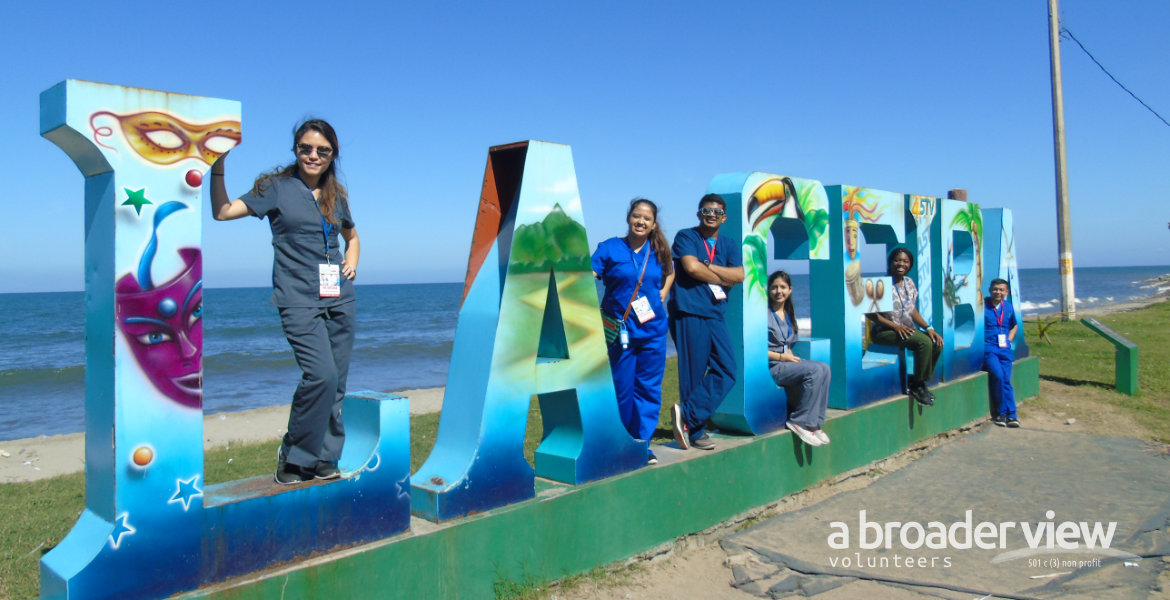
[(164, 324), (164, 139)]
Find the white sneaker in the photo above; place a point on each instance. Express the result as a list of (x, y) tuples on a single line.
[(679, 427), (805, 435), (822, 436)]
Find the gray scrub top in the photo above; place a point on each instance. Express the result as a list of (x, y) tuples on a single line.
[(298, 242)]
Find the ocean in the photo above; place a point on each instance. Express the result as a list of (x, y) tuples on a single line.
[(404, 340)]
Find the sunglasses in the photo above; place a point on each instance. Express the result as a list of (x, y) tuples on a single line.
[(708, 212), (322, 151)]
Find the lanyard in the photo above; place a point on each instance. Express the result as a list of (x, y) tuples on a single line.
[(789, 334), (634, 256), (998, 314), (710, 250), (326, 229), (901, 296)]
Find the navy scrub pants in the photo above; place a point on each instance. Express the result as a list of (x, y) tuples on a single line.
[(706, 367), (321, 340), (806, 383)]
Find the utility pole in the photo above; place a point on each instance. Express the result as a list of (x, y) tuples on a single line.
[(1068, 310)]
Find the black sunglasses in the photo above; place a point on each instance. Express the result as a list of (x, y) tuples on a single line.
[(707, 211), (322, 151)]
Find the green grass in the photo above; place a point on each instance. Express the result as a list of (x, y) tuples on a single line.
[(1075, 355), (49, 508)]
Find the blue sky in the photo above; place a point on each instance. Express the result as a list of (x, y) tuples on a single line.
[(655, 99)]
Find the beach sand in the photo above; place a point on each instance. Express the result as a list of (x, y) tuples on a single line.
[(42, 457)]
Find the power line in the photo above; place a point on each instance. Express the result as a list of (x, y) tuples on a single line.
[(1065, 32)]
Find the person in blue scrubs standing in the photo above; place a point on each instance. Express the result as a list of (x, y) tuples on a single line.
[(637, 272), (312, 287), (999, 327), (708, 265)]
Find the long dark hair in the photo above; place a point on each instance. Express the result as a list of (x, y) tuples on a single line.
[(788, 308), (331, 188), (657, 238)]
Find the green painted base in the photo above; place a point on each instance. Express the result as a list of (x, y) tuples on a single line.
[(571, 529)]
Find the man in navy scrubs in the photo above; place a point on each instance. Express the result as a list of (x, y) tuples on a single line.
[(708, 265)]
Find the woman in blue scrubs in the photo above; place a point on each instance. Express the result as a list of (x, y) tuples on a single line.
[(637, 355), (312, 286)]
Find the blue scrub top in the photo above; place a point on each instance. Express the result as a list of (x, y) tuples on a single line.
[(991, 326), (619, 266), (692, 296), (298, 242)]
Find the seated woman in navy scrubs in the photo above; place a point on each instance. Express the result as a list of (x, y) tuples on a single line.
[(805, 381)]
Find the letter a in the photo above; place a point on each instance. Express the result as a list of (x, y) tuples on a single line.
[(529, 325)]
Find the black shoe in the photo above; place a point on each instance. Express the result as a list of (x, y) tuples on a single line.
[(287, 474), (921, 395), (703, 442), (651, 459), (999, 420), (1013, 422), (326, 470)]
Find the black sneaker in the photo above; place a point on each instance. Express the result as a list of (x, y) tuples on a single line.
[(703, 443), (651, 459), (326, 470), (921, 395), (287, 474), (1013, 422), (999, 420)]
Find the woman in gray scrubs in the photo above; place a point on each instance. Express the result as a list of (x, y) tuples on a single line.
[(312, 286), (805, 381)]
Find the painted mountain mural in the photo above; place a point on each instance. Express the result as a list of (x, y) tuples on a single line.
[(558, 242)]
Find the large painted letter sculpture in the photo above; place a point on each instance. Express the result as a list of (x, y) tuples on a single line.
[(796, 212), (959, 266), (860, 375), (529, 325), (151, 526)]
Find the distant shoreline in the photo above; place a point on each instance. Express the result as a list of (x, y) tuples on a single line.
[(368, 284)]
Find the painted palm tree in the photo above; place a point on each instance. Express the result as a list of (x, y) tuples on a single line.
[(970, 219)]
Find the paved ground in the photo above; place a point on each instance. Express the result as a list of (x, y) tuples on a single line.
[(1001, 476)]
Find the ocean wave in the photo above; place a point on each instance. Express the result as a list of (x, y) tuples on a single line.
[(1030, 306), (43, 376)]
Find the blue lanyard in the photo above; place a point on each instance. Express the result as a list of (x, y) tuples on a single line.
[(789, 334), (326, 230), (634, 256), (326, 227)]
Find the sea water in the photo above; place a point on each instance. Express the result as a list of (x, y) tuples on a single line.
[(404, 339)]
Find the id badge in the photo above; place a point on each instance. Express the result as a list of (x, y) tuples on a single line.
[(642, 309), (718, 291), (330, 276), (1003, 343)]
